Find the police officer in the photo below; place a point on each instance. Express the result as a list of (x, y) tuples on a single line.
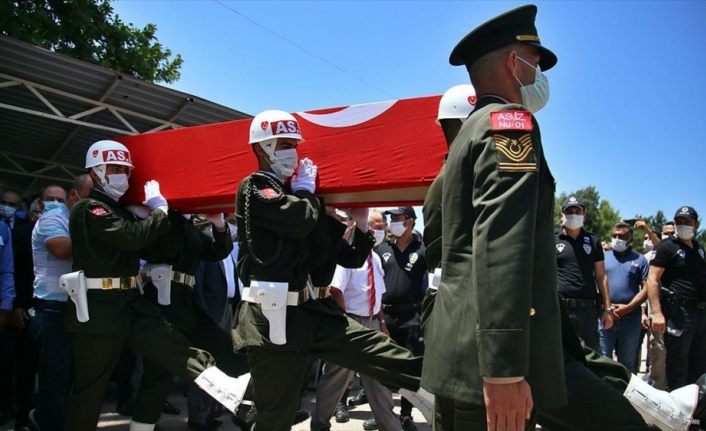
[(106, 242), (284, 236), (680, 311), (580, 271), (406, 281), (172, 261)]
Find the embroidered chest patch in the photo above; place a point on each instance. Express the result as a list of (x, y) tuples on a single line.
[(560, 247), (513, 141)]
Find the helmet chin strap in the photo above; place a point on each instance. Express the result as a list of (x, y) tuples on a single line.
[(269, 147), (100, 172)]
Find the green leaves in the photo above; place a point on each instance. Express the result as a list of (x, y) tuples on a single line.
[(90, 31)]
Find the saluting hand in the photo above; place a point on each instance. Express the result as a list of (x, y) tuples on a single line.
[(508, 405)]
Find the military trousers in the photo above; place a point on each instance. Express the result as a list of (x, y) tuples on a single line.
[(157, 380), (278, 374), (451, 415), (593, 402), (334, 383), (95, 356)]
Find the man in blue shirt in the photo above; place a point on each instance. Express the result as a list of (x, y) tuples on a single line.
[(7, 282), (51, 253), (626, 271)]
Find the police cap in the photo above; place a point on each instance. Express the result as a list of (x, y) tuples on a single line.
[(687, 212), (407, 211), (515, 26), (573, 201)]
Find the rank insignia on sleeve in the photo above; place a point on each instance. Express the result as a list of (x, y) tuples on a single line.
[(515, 154), (98, 211)]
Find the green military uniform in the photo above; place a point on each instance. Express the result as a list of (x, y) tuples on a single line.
[(285, 237), (496, 312), (432, 239), (182, 248), (107, 241)]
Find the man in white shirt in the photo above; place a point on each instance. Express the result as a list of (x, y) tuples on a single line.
[(359, 292)]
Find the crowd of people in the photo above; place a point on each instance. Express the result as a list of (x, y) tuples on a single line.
[(508, 320)]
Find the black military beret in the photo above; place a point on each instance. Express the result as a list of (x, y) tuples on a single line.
[(514, 26)]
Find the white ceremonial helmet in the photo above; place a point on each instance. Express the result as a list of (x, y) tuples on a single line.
[(108, 152), (274, 124), (457, 102)]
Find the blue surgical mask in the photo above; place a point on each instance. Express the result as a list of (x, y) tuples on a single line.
[(52, 205), (7, 212)]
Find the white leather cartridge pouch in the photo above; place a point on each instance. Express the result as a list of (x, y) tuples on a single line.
[(161, 275), (74, 283), (272, 297)]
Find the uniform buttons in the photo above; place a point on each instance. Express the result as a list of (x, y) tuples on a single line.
[(532, 312)]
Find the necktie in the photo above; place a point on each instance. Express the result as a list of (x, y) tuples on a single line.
[(371, 284)]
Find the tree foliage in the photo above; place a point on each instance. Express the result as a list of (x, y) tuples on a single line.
[(89, 30)]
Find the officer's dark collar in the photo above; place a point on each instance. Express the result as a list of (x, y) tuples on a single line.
[(103, 197), (489, 99), (561, 231), (271, 175)]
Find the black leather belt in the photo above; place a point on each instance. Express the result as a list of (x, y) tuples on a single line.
[(400, 308), (578, 303)]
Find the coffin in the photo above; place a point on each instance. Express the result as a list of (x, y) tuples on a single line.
[(375, 154)]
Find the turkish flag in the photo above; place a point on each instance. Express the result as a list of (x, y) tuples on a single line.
[(375, 154)]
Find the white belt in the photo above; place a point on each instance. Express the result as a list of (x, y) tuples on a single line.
[(109, 283), (293, 298)]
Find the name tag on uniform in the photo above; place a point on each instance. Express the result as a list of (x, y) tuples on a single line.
[(511, 120)]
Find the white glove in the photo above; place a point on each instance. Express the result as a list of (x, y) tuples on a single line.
[(218, 221), (139, 211), (305, 177), (153, 198)]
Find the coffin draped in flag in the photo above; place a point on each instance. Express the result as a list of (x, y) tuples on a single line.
[(375, 154)]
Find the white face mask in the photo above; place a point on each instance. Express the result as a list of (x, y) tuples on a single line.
[(379, 235), (116, 186), (619, 245), (572, 221), (52, 205), (535, 95), (285, 162), (397, 228), (685, 231), (647, 245)]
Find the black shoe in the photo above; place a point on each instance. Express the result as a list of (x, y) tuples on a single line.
[(300, 416), (407, 423), (359, 399), (169, 409), (370, 424), (342, 415)]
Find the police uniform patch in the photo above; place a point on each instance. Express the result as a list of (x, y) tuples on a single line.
[(560, 247), (681, 253), (98, 211), (587, 248), (701, 253), (386, 256), (413, 258)]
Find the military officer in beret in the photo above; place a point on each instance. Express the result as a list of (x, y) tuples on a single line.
[(286, 245), (106, 310)]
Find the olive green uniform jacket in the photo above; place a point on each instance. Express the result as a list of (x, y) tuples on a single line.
[(497, 311), (183, 247), (106, 241), (284, 236)]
